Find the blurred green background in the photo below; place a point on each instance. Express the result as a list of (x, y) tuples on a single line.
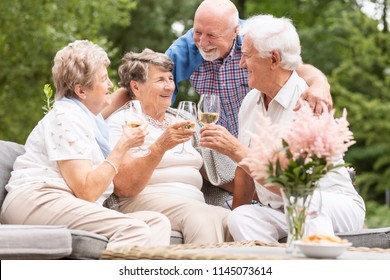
[(348, 40)]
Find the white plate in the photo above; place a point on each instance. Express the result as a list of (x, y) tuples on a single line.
[(315, 250)]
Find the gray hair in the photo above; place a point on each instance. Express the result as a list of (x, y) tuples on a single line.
[(77, 64), (274, 34), (135, 67)]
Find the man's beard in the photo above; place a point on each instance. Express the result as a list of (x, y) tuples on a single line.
[(214, 55)]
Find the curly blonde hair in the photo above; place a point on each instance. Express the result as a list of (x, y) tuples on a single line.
[(77, 64)]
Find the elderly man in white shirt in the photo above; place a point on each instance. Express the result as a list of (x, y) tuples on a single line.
[(271, 53)]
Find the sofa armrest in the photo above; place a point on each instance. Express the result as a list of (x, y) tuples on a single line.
[(34, 242), (9, 151)]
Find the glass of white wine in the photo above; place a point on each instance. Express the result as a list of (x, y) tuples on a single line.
[(209, 108), (134, 117), (187, 111)]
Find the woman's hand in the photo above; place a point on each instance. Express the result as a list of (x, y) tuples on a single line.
[(174, 135), (133, 137), (129, 183)]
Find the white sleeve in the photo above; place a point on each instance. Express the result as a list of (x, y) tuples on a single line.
[(115, 123), (68, 135), (245, 121)]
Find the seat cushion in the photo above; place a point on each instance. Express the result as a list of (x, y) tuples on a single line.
[(87, 245), (176, 238), (34, 242), (9, 151), (371, 238)]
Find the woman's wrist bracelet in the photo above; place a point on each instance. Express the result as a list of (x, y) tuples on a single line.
[(112, 164)]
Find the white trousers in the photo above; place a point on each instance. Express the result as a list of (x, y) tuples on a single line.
[(41, 204), (199, 223), (339, 213)]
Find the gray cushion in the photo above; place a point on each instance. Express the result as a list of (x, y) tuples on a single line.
[(371, 238), (176, 237), (34, 242), (9, 151), (87, 245)]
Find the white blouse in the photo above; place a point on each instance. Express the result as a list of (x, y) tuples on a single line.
[(174, 174), (64, 133)]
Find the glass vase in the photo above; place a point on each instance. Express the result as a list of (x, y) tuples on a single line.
[(296, 206)]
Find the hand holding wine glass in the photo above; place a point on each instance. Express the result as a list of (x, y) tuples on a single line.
[(187, 111), (209, 108), (134, 117)]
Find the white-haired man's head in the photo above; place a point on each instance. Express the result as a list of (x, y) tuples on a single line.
[(268, 33)]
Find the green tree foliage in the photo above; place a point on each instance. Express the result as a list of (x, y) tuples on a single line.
[(155, 25), (352, 51), (379, 215), (151, 25), (31, 31)]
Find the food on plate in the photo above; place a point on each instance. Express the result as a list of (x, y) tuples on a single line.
[(324, 239)]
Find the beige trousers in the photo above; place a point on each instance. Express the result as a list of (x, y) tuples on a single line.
[(198, 222), (41, 204)]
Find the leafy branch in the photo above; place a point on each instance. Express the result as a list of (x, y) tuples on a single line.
[(49, 99)]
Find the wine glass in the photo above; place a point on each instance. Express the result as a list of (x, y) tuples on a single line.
[(134, 117), (187, 111), (209, 108)]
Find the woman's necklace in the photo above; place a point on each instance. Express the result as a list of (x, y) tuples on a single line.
[(162, 125)]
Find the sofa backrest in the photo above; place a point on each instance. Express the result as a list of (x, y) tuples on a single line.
[(9, 151)]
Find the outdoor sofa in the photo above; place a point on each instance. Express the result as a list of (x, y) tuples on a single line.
[(58, 242)]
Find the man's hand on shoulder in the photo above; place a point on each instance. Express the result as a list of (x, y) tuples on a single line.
[(317, 96), (318, 93)]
